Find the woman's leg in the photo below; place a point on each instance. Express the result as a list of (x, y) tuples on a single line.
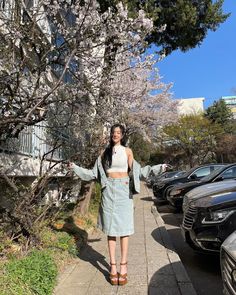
[(112, 253), (124, 243)]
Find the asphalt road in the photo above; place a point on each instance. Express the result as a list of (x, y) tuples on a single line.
[(203, 269)]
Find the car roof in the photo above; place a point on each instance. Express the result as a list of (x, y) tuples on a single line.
[(216, 172), (200, 166)]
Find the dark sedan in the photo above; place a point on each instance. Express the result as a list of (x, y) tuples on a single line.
[(209, 215), (155, 178), (160, 187), (175, 195)]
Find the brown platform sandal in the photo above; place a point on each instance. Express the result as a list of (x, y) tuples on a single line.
[(123, 280), (113, 277)]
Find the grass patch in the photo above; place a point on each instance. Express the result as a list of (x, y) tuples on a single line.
[(60, 240), (34, 274)]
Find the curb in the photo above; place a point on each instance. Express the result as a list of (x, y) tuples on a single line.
[(182, 278)]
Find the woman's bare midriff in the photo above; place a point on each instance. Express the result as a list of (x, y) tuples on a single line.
[(117, 174)]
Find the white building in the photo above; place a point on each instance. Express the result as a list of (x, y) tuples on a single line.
[(189, 106), (230, 101), (22, 156)]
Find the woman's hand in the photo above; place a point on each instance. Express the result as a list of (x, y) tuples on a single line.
[(70, 165), (165, 166)]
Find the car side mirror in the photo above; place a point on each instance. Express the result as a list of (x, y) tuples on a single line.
[(219, 178), (193, 176)]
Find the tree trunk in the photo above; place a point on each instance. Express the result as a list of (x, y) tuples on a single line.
[(190, 159), (86, 192)]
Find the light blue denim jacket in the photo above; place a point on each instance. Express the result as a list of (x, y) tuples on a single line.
[(98, 173)]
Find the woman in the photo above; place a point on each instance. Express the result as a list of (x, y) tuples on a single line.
[(116, 209)]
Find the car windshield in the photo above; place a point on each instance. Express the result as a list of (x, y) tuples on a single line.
[(213, 174), (180, 173), (170, 174), (187, 173)]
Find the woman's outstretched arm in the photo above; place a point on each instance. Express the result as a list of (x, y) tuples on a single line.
[(83, 173), (157, 169)]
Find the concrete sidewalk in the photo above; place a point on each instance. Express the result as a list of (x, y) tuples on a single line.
[(154, 267)]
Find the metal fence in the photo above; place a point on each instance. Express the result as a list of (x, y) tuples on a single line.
[(34, 141)]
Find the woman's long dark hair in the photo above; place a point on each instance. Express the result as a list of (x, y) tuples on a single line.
[(107, 155)]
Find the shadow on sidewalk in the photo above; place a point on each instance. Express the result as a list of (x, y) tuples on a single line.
[(173, 278), (161, 237), (164, 279), (165, 208), (85, 251), (149, 199), (95, 258)]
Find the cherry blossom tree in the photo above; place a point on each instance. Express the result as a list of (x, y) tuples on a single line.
[(60, 53), (78, 70), (141, 101)]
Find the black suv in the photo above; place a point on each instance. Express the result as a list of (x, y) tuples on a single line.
[(160, 187), (209, 215), (228, 264), (175, 195)]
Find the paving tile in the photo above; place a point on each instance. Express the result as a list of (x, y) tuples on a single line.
[(136, 260), (163, 290), (74, 290), (101, 290), (81, 276), (164, 280), (136, 269), (187, 289), (161, 265), (101, 279), (137, 279), (132, 290)]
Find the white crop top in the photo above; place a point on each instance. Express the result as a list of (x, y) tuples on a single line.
[(119, 160)]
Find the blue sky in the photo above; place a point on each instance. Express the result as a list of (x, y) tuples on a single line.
[(209, 70)]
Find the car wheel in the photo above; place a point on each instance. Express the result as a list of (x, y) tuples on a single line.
[(166, 191)]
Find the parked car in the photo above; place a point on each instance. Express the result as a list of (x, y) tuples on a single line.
[(155, 178), (160, 187), (175, 194), (209, 215), (228, 264)]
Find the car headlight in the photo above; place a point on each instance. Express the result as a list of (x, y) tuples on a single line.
[(217, 216), (175, 192)]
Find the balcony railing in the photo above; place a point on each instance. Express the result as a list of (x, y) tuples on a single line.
[(32, 141)]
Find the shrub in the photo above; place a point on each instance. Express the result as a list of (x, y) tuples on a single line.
[(59, 240)]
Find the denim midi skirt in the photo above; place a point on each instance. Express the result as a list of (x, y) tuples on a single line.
[(116, 212)]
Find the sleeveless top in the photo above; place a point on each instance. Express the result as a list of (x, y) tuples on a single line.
[(119, 160)]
